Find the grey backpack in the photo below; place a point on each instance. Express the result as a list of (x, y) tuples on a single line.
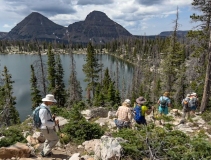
[(193, 102), (163, 102)]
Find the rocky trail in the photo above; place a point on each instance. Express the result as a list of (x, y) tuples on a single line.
[(103, 148)]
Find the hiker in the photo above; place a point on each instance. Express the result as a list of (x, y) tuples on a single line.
[(124, 115), (164, 103), (140, 110), (186, 107), (48, 125), (193, 102)]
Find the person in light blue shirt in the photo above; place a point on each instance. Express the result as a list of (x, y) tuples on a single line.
[(164, 103), (48, 124)]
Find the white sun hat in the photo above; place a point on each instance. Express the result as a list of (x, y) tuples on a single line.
[(193, 94), (49, 98), (128, 101)]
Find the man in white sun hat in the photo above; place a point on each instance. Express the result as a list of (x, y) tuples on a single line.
[(48, 124)]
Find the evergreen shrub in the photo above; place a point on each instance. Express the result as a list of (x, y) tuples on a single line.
[(162, 144), (78, 129), (12, 135), (60, 112)]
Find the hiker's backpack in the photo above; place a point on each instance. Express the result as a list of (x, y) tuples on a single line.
[(193, 102), (163, 102), (137, 115), (187, 104), (35, 115)]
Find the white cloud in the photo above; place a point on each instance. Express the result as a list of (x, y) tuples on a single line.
[(7, 26), (178, 2), (132, 14)]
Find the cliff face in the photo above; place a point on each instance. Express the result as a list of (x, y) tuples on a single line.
[(97, 27), (37, 26)]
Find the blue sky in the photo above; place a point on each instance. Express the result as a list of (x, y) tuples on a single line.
[(139, 17)]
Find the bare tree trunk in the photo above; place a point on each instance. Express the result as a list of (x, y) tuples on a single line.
[(117, 75), (206, 92), (42, 68)]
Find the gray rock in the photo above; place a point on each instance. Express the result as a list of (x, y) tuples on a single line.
[(108, 148)]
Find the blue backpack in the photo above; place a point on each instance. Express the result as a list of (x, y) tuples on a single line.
[(137, 116), (36, 119)]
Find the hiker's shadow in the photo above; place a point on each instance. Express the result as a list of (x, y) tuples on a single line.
[(62, 156)]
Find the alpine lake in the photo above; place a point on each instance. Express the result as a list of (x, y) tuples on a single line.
[(18, 66)]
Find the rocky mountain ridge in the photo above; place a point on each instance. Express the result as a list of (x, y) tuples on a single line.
[(3, 34), (97, 27)]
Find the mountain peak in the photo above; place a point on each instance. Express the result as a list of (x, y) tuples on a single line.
[(96, 16), (35, 25)]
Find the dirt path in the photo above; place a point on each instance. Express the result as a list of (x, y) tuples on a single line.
[(59, 153)]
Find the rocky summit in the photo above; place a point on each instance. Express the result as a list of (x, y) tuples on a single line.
[(36, 26), (98, 28)]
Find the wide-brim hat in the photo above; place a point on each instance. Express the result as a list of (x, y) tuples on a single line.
[(188, 95), (49, 98), (193, 94), (140, 100)]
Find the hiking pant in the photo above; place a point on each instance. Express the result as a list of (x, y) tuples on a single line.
[(163, 110), (121, 124), (142, 120), (51, 140), (186, 111)]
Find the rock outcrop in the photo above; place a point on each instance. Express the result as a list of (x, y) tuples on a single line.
[(19, 150)]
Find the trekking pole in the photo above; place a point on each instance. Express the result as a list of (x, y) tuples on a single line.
[(54, 117)]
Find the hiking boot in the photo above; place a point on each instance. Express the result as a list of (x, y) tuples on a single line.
[(47, 155)]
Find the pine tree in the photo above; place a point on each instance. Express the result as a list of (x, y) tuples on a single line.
[(117, 98), (74, 93), (60, 93), (111, 94), (51, 70), (204, 6), (106, 81), (99, 98), (35, 93), (91, 68), (172, 60), (11, 115)]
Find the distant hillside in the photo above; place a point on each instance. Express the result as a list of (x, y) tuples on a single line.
[(37, 26), (3, 34), (169, 33), (164, 34)]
